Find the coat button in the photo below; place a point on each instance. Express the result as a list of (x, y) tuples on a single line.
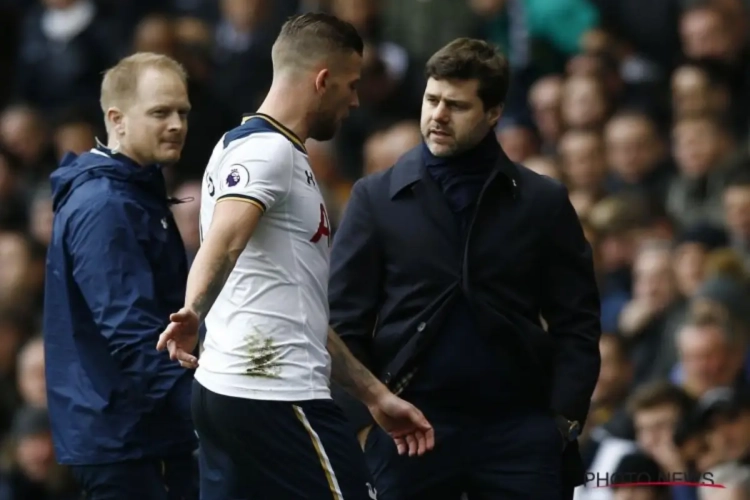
[(421, 326)]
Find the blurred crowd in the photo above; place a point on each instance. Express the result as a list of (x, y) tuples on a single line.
[(639, 106)]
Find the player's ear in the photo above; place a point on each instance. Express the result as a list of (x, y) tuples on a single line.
[(321, 81)]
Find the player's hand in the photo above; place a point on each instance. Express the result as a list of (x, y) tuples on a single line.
[(181, 337), (407, 425)]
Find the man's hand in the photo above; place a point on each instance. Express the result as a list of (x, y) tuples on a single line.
[(667, 455), (181, 337), (404, 423), (635, 316)]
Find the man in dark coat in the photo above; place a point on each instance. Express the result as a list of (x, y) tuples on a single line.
[(465, 281)]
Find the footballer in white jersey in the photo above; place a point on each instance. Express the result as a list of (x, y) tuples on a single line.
[(266, 333), (261, 403)]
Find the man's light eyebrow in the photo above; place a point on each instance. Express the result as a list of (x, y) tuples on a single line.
[(164, 107)]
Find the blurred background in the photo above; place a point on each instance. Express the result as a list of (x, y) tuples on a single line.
[(639, 106)]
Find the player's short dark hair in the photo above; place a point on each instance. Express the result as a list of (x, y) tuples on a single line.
[(470, 59), (308, 37)]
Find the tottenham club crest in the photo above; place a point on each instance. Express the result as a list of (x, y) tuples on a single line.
[(236, 176)]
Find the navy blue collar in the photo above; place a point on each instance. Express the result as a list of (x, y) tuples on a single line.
[(150, 177), (261, 122), (483, 156), (410, 169), (463, 176), (125, 160)]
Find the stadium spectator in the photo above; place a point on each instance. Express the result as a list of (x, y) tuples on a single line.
[(32, 386), (29, 469), (657, 410), (584, 103), (637, 156), (632, 468), (701, 147), (711, 350), (614, 384), (736, 199), (583, 161), (545, 101), (648, 316)]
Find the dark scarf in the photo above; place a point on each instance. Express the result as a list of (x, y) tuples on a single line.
[(462, 177)]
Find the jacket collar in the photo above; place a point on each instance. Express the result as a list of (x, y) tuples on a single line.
[(409, 169)]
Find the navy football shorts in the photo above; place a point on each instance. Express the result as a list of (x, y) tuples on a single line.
[(277, 450)]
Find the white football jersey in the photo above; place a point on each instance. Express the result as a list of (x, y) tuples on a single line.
[(267, 331)]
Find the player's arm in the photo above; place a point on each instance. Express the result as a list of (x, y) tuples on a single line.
[(249, 183), (352, 375), (409, 428), (232, 225)]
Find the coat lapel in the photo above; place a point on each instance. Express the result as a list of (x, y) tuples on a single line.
[(436, 209)]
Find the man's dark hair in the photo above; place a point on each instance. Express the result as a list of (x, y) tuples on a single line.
[(718, 121), (716, 73), (709, 312), (636, 113), (469, 59), (13, 162), (17, 321), (657, 394), (691, 6), (739, 176), (639, 465), (72, 115), (310, 37)]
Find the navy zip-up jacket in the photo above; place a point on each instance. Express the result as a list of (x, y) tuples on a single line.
[(116, 269)]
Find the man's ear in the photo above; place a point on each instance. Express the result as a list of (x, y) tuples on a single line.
[(115, 118), (493, 114), (321, 81)]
